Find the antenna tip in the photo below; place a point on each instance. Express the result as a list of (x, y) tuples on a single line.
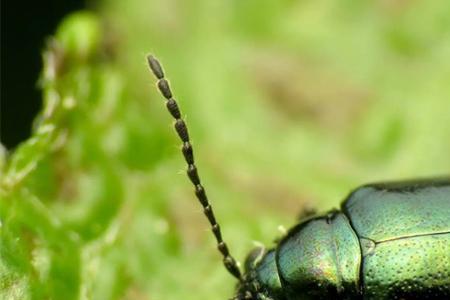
[(155, 66)]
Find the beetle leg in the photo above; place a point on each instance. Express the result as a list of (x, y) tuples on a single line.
[(307, 211)]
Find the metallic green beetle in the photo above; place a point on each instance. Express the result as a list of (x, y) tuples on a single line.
[(388, 241)]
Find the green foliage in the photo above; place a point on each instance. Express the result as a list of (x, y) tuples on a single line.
[(63, 189), (290, 103)]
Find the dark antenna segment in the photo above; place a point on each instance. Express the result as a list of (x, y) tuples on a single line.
[(181, 129)]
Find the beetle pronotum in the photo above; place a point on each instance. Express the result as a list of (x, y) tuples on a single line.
[(388, 240)]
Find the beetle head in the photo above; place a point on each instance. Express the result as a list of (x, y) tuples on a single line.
[(260, 280)]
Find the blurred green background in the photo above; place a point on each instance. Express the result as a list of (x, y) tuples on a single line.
[(290, 105)]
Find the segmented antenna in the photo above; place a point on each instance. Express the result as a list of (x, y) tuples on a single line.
[(181, 129)]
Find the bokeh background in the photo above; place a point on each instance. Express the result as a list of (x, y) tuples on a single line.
[(291, 104)]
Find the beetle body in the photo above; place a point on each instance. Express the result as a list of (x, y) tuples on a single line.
[(388, 241)]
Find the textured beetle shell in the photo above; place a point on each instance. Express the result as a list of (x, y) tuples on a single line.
[(402, 231), (328, 265)]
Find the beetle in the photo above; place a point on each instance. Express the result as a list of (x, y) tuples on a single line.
[(388, 240)]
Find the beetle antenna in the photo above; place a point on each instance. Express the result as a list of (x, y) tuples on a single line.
[(181, 128)]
